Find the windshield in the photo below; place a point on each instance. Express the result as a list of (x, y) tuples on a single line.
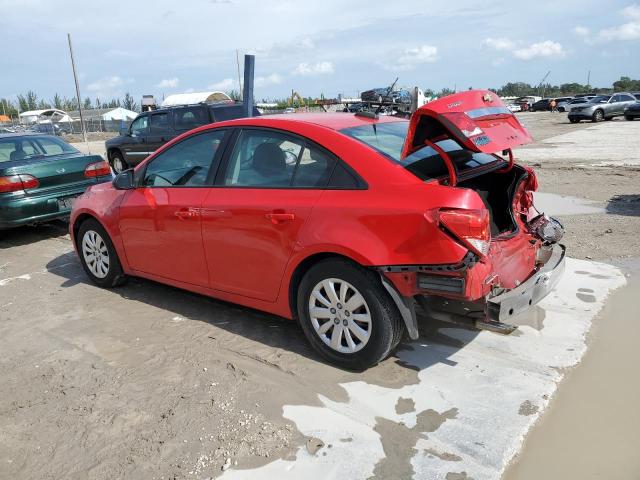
[(600, 99), (32, 146), (425, 163)]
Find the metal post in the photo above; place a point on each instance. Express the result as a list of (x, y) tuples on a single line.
[(239, 80), (75, 78), (247, 95)]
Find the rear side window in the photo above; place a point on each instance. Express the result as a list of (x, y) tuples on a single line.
[(159, 123), (188, 118), (270, 159)]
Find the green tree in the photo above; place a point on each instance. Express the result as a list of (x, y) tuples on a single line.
[(97, 103), (57, 101), (86, 104), (23, 105), (32, 100), (129, 103)]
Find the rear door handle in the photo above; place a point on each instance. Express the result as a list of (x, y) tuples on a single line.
[(277, 218), (187, 213)]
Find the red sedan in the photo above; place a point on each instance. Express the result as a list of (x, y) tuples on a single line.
[(341, 221)]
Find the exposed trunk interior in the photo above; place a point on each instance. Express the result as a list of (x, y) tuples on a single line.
[(497, 190)]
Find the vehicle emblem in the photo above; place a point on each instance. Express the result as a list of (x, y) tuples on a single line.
[(487, 97), (480, 141), (60, 170)]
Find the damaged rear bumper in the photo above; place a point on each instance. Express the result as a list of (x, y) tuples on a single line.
[(502, 307), (494, 310)]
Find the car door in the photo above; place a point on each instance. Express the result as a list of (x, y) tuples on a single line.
[(160, 220), (626, 100), (160, 131), (265, 191), (135, 146)]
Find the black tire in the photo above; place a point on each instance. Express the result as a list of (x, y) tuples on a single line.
[(114, 275), (627, 117), (598, 116), (118, 163), (386, 325)]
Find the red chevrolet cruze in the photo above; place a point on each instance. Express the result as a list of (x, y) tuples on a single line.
[(341, 221)]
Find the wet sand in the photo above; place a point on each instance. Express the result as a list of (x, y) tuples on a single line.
[(592, 427)]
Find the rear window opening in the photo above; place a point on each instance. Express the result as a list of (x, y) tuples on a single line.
[(425, 163)]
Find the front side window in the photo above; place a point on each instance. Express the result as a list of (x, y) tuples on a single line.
[(269, 159), (139, 126), (185, 164)]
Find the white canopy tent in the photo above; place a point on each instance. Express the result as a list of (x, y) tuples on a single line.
[(45, 116), (119, 114), (195, 97)]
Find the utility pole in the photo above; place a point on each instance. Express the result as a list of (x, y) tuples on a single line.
[(588, 80), (75, 79)]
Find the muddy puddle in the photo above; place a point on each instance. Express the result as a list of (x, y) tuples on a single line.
[(592, 427)]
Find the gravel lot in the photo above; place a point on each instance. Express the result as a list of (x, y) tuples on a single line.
[(147, 381)]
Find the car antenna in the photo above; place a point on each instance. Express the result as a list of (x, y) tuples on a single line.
[(389, 90)]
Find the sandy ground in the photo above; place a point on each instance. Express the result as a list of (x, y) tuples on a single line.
[(147, 381)]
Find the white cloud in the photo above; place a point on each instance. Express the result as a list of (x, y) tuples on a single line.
[(581, 31), (226, 84), (272, 79), (319, 68), (626, 31), (501, 44), (168, 83), (544, 49), (410, 58)]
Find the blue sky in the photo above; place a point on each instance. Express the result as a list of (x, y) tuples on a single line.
[(329, 46)]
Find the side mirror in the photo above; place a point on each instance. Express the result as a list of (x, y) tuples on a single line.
[(124, 180)]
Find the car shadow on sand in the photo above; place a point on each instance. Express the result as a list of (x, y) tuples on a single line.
[(627, 205), (273, 331), (28, 234)]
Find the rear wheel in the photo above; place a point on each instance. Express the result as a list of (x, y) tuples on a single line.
[(346, 314), (598, 116), (118, 163), (98, 256)]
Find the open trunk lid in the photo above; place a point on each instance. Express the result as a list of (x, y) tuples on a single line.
[(477, 119)]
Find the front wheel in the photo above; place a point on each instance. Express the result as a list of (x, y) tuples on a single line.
[(598, 116), (98, 256), (347, 315)]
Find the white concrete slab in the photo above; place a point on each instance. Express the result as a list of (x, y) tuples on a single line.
[(618, 143), (480, 397)]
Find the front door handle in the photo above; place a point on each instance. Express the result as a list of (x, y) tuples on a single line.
[(277, 218), (187, 213)]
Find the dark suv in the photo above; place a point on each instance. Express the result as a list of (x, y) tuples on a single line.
[(150, 130)]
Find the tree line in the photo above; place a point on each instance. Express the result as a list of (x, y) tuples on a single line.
[(31, 101)]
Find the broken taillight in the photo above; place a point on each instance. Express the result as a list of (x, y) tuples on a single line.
[(471, 227), (98, 169), (13, 183)]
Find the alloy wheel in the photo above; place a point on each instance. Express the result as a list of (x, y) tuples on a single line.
[(340, 315), (95, 253), (118, 164)]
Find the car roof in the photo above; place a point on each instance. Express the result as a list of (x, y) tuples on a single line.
[(335, 121), (22, 134)]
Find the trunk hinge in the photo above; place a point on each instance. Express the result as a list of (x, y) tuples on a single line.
[(453, 179)]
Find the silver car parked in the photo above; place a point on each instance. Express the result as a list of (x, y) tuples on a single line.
[(601, 107)]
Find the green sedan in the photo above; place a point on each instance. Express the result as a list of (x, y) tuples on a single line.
[(41, 175)]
